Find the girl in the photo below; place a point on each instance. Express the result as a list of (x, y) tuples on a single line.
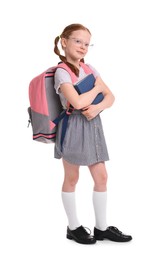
[(84, 142)]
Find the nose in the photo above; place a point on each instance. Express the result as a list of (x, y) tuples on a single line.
[(83, 45)]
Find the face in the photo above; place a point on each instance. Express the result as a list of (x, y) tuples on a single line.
[(76, 46)]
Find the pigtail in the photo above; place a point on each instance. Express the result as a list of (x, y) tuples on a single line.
[(74, 69), (56, 50)]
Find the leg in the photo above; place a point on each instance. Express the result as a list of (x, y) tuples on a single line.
[(71, 176), (74, 230), (101, 231), (99, 175)]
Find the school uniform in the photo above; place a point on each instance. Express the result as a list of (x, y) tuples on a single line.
[(84, 142)]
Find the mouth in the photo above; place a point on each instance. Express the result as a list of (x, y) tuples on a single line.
[(80, 52)]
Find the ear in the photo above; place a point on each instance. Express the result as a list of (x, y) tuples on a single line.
[(63, 43)]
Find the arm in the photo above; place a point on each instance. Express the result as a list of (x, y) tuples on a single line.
[(80, 101)]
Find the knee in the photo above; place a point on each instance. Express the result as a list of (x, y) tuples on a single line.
[(101, 182), (103, 179), (73, 181)]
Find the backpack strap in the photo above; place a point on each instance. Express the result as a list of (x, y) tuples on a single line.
[(65, 114), (86, 68), (71, 73)]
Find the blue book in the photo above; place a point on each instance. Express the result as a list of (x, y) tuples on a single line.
[(87, 84)]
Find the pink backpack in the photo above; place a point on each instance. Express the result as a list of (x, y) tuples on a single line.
[(45, 110)]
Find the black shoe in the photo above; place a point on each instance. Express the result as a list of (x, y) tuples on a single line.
[(111, 233), (80, 235)]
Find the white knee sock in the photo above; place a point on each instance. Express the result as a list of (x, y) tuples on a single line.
[(68, 199), (100, 205)]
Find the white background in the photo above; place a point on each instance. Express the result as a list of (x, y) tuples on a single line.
[(127, 53)]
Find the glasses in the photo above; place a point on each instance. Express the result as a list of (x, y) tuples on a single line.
[(80, 43)]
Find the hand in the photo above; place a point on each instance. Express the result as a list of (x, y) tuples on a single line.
[(91, 111)]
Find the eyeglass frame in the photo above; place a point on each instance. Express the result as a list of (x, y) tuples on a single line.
[(79, 42)]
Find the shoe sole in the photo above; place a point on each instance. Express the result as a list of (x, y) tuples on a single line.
[(72, 238), (104, 238)]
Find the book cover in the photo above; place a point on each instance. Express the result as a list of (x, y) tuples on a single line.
[(87, 84)]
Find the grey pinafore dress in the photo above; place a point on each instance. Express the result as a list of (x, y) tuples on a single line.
[(84, 142)]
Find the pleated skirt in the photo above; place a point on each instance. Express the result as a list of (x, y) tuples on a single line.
[(84, 142)]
